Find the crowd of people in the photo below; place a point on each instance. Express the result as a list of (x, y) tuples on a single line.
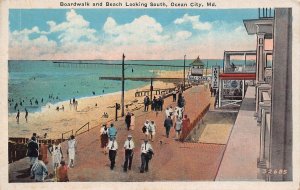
[(174, 118), (38, 158)]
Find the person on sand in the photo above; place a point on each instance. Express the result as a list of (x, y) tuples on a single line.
[(129, 147), (18, 116), (26, 114), (132, 122), (39, 170), (62, 172), (112, 147), (104, 137), (44, 151), (168, 124), (185, 128), (72, 150), (128, 120)]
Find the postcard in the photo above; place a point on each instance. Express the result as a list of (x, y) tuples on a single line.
[(149, 94)]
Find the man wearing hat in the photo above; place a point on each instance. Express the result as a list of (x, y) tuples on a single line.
[(128, 146), (112, 147), (146, 148)]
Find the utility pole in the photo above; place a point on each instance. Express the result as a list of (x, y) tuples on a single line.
[(206, 68), (184, 73), (123, 84), (151, 89)]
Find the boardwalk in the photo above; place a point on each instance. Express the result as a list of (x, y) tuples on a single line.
[(172, 160)]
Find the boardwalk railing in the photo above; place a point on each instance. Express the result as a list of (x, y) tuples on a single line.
[(17, 147), (67, 132), (85, 126), (196, 120)]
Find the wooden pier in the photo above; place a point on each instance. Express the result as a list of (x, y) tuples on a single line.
[(164, 79)]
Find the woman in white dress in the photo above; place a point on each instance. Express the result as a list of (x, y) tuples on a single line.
[(57, 155), (132, 121), (152, 129), (71, 150)]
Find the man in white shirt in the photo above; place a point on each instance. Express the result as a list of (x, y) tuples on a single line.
[(129, 147), (146, 151), (112, 147)]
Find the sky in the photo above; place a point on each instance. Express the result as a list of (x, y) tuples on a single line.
[(141, 34)]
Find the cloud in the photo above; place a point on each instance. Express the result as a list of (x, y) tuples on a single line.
[(75, 29), (141, 30), (194, 21), (183, 35)]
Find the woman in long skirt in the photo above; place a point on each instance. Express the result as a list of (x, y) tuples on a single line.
[(44, 152), (104, 138), (132, 121)]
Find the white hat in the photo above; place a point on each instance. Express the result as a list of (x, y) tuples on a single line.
[(129, 136)]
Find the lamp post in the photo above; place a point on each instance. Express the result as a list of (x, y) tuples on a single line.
[(122, 97), (184, 73)]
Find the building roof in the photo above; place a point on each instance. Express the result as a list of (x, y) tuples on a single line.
[(197, 62)]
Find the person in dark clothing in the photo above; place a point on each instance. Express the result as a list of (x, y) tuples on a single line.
[(174, 95), (154, 104), (32, 151), (26, 114), (211, 91), (129, 148), (168, 124), (146, 155), (146, 103), (18, 116), (112, 147), (128, 120)]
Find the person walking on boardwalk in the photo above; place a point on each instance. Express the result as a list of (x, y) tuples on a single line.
[(72, 150), (112, 131), (168, 124), (146, 103), (129, 148), (104, 138), (62, 172), (185, 127), (26, 114), (39, 170), (44, 152), (18, 116), (178, 127), (174, 95), (146, 155), (32, 151), (152, 130), (145, 129), (112, 147), (128, 120), (57, 155), (132, 122)]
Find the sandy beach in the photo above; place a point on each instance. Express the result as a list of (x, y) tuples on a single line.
[(54, 122)]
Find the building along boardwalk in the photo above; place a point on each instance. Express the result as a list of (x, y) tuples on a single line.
[(173, 160), (239, 162)]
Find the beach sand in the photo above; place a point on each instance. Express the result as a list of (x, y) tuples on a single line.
[(54, 122)]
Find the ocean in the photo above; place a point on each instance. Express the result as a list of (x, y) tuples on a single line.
[(48, 82)]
